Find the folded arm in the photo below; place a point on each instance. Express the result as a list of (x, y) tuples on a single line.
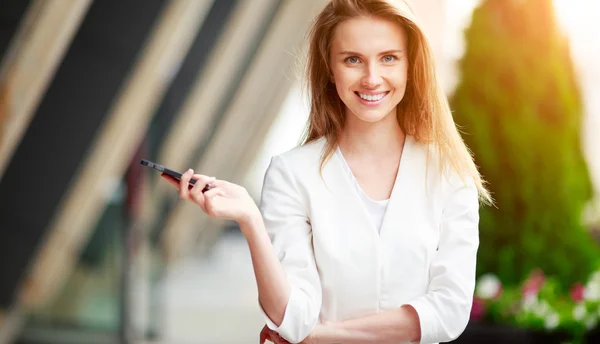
[(283, 258), (440, 315)]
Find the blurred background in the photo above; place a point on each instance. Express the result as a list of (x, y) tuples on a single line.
[(96, 248)]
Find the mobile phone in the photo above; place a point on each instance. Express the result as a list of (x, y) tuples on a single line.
[(172, 173)]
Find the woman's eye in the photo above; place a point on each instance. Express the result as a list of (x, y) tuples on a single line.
[(352, 59), (389, 58)]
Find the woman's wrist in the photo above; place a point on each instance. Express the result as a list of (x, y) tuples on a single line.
[(251, 222), (323, 333)]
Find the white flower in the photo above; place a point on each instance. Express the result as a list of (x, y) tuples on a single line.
[(595, 277), (579, 312), (552, 321), (488, 286), (592, 291), (591, 322), (542, 309)]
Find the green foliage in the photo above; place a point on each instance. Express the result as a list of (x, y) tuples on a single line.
[(546, 308), (519, 108)]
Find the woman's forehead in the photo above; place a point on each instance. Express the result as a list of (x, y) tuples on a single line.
[(368, 35)]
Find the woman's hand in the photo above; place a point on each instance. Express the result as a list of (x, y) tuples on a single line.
[(224, 200), (268, 334)]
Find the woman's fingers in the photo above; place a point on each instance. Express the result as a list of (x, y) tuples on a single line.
[(184, 192), (267, 334), (203, 180), (264, 335), (211, 194), (196, 192), (193, 192)]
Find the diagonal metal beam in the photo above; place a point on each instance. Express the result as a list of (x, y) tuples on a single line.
[(126, 124), (238, 138), (34, 55), (10, 324)]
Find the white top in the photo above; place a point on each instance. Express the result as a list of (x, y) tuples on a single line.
[(376, 209), (340, 267)]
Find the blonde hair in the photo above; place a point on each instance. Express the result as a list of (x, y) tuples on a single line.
[(423, 113)]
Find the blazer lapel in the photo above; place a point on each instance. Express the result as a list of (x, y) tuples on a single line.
[(342, 187), (399, 198), (344, 191)]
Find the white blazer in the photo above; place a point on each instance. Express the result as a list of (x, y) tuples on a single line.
[(339, 265)]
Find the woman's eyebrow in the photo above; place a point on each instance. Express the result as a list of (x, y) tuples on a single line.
[(349, 53), (387, 52), (394, 51)]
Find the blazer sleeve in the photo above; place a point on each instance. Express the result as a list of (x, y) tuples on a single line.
[(444, 310), (285, 213)]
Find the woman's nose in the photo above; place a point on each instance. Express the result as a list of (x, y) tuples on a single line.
[(372, 78)]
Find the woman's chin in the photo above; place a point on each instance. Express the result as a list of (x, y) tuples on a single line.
[(372, 116)]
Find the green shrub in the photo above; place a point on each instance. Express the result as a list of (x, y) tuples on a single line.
[(519, 108)]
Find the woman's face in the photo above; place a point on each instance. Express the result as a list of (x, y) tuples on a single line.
[(368, 60)]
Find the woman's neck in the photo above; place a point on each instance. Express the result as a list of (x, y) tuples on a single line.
[(379, 139)]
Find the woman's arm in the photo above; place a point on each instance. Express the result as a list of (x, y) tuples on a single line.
[(287, 242), (394, 326), (445, 309), (273, 287), (280, 242), (230, 201), (440, 315)]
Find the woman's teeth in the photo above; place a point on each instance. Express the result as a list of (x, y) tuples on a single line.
[(371, 98)]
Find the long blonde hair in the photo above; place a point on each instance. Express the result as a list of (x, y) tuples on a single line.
[(423, 113)]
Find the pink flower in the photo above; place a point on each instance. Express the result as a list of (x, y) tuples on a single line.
[(577, 292), (534, 283), (478, 309)]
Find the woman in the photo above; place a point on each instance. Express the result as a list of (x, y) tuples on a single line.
[(368, 232)]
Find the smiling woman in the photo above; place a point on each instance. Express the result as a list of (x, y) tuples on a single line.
[(368, 231), (369, 67)]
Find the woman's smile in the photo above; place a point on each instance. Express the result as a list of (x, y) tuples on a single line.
[(371, 99)]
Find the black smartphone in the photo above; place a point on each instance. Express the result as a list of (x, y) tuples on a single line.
[(172, 173)]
